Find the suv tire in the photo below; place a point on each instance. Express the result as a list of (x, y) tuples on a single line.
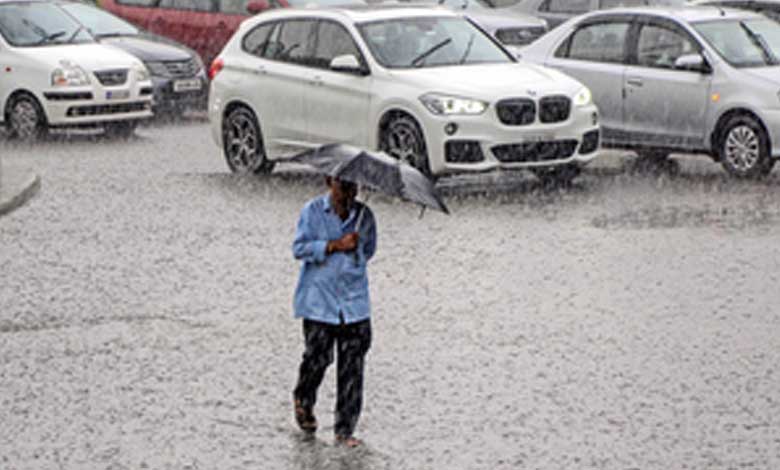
[(242, 143), (402, 138)]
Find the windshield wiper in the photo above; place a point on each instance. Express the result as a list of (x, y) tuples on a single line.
[(113, 35), (430, 51), (50, 37), (75, 33), (761, 43), (468, 49), (45, 36)]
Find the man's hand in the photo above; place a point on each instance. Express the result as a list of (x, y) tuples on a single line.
[(346, 243)]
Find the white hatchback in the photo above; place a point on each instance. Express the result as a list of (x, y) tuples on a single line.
[(54, 74), (424, 85)]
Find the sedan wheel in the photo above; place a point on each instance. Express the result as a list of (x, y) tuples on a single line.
[(402, 138), (243, 143), (744, 148), (26, 119)]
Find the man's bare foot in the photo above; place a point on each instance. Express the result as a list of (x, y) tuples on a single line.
[(348, 441)]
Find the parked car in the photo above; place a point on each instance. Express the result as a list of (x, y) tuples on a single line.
[(424, 85), (54, 74), (203, 25), (513, 29), (178, 74), (556, 12), (695, 79), (770, 8)]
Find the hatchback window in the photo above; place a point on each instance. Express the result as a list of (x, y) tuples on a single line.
[(746, 43), (257, 40), (193, 5), (430, 41), (566, 6), (292, 42), (660, 47), (333, 40), (39, 24), (601, 42)]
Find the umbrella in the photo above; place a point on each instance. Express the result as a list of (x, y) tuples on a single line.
[(375, 170)]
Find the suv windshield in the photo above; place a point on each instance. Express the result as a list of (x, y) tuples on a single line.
[(99, 22), (745, 43), (429, 42), (29, 24)]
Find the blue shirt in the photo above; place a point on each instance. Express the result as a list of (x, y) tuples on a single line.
[(334, 285)]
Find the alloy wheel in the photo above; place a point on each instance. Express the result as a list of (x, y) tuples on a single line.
[(742, 148), (25, 119), (242, 143), (403, 142)]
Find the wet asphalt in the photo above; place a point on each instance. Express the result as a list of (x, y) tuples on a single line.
[(629, 321)]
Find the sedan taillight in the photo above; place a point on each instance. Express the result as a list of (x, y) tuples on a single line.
[(216, 66)]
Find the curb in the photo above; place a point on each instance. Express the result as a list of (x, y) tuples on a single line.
[(16, 192)]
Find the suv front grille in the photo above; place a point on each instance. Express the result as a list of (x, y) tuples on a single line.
[(554, 109), (535, 151), (519, 36), (112, 77), (181, 68), (516, 111)]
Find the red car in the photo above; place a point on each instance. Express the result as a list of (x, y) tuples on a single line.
[(203, 25)]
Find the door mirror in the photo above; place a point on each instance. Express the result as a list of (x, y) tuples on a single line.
[(256, 6), (347, 63), (692, 62)]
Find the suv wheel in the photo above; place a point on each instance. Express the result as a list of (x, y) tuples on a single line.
[(743, 148), (242, 143), (402, 138), (26, 120)]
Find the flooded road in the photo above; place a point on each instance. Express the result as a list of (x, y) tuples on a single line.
[(627, 322)]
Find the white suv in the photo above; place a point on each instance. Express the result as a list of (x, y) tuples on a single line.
[(424, 85), (53, 74)]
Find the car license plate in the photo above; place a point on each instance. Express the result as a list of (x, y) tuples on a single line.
[(186, 85), (118, 94)]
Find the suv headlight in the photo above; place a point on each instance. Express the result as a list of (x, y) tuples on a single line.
[(68, 74), (583, 97), (447, 105), (141, 73)]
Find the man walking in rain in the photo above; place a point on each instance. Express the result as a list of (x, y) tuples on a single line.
[(335, 238)]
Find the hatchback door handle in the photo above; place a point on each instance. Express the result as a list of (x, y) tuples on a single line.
[(637, 82), (317, 81), (261, 70)]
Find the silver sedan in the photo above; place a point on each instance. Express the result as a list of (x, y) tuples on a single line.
[(690, 79)]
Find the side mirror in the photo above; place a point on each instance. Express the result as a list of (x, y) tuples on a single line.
[(692, 62), (256, 6), (347, 63)]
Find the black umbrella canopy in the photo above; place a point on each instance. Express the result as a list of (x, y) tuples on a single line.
[(375, 170)]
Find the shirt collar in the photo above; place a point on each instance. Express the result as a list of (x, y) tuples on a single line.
[(327, 204)]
